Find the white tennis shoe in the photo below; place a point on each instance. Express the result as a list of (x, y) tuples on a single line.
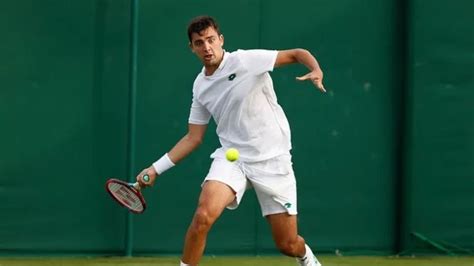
[(308, 261)]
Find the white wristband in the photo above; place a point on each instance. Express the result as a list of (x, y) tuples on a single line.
[(163, 164)]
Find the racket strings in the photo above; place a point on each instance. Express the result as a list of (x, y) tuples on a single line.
[(126, 196)]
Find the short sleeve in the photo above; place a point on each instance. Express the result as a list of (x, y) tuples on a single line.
[(258, 61), (198, 114)]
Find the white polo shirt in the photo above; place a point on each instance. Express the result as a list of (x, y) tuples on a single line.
[(240, 97)]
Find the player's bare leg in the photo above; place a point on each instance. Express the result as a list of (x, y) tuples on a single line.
[(215, 196), (285, 234)]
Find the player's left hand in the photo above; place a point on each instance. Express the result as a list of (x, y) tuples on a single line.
[(316, 76)]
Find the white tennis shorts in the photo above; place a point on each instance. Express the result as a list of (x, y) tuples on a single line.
[(273, 180)]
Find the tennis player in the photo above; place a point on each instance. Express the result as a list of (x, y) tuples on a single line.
[(236, 90)]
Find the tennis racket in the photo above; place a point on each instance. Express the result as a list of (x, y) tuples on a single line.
[(128, 195)]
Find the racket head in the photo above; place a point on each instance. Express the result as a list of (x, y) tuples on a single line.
[(126, 195)]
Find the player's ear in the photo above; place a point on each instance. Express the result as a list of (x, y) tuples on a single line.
[(191, 47), (222, 39)]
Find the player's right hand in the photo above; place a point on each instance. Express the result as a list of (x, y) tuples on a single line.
[(150, 171)]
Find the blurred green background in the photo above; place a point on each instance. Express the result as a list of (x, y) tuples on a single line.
[(388, 151)]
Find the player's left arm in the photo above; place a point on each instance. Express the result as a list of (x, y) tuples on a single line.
[(304, 57)]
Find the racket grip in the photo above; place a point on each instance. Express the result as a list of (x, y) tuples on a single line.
[(146, 178)]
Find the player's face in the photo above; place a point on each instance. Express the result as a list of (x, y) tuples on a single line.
[(207, 45)]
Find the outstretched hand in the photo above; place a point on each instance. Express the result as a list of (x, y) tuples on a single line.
[(316, 76)]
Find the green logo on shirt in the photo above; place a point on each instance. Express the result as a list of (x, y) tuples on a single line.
[(288, 205), (232, 77)]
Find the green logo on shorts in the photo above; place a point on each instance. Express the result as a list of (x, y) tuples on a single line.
[(232, 77), (287, 205)]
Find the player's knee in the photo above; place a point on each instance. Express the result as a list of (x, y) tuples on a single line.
[(202, 220), (288, 247)]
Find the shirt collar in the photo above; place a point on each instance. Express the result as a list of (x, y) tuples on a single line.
[(221, 65)]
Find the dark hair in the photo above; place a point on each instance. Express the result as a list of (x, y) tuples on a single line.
[(201, 23)]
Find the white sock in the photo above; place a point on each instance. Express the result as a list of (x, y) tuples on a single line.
[(308, 253), (183, 264)]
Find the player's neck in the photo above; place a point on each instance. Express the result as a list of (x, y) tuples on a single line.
[(210, 69)]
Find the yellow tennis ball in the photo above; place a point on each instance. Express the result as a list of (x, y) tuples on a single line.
[(232, 154)]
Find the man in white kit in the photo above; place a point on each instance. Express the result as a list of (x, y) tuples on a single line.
[(237, 91)]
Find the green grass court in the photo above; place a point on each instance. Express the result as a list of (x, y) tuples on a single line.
[(241, 261)]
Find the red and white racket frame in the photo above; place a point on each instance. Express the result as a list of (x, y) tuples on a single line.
[(133, 188)]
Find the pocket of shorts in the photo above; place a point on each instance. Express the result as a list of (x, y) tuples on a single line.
[(280, 165)]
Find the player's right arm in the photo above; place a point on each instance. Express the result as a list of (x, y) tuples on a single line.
[(183, 148)]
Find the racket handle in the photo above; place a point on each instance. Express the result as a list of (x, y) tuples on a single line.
[(136, 185)]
